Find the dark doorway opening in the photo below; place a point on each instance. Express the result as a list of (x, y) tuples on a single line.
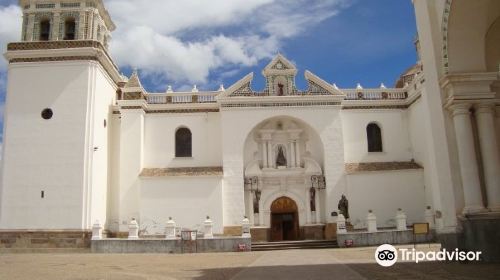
[(284, 220)]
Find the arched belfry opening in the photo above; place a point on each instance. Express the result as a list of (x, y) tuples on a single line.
[(45, 29), (284, 157), (70, 29)]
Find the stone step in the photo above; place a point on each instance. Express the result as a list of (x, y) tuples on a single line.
[(290, 245)]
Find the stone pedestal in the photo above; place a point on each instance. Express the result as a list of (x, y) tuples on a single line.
[(341, 225), (481, 233), (331, 231), (133, 230), (208, 226), (429, 217), (97, 231), (314, 232), (245, 228), (401, 220), (170, 232), (371, 221), (260, 234)]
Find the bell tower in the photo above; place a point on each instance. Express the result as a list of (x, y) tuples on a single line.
[(66, 21), (61, 85)]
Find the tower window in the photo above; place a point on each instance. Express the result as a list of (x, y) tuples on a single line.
[(183, 142), (44, 30), (70, 29), (374, 136)]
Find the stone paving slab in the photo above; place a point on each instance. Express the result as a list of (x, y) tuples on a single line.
[(349, 263), (298, 264)]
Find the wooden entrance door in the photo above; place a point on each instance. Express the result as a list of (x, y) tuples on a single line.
[(284, 220)]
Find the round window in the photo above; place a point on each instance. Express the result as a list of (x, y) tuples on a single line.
[(47, 114)]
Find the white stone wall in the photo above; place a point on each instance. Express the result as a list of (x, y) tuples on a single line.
[(385, 192), (131, 164), (103, 95), (188, 200), (159, 145), (51, 155), (395, 139)]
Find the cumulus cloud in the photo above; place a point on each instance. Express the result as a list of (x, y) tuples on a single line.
[(186, 41), (10, 28)]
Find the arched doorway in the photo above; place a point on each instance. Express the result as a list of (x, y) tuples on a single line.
[(284, 220)]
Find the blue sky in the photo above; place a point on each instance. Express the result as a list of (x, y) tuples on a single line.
[(219, 41)]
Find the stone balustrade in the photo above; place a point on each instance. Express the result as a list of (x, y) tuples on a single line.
[(375, 94), (182, 97)]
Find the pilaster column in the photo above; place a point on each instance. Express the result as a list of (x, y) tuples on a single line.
[(270, 157), (30, 29), (250, 206), (297, 153), (318, 207), (485, 115), (308, 205), (81, 26), (467, 159), (265, 163), (292, 153), (56, 22), (261, 213)]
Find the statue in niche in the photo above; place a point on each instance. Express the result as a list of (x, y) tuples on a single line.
[(280, 159), (312, 198), (344, 206), (280, 90), (256, 200)]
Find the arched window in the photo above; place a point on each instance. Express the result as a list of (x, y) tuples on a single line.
[(44, 30), (69, 29), (183, 142), (374, 136)]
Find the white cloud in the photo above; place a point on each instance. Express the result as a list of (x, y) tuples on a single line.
[(186, 41), (10, 28)]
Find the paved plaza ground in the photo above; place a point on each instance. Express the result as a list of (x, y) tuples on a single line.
[(352, 264)]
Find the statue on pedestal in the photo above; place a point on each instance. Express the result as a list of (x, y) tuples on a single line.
[(344, 207)]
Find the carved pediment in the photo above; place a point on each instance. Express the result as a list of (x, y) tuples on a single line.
[(279, 66), (280, 81)]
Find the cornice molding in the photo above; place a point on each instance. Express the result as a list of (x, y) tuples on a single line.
[(26, 52)]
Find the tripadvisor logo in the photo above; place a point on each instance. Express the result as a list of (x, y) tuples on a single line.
[(386, 255)]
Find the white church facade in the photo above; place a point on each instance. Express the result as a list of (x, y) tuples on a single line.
[(83, 143)]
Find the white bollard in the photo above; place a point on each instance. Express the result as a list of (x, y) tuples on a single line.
[(96, 231), (429, 217), (209, 225), (245, 228), (371, 221), (401, 220), (170, 229), (133, 229), (341, 226)]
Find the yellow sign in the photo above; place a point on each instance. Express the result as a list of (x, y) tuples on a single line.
[(421, 228)]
